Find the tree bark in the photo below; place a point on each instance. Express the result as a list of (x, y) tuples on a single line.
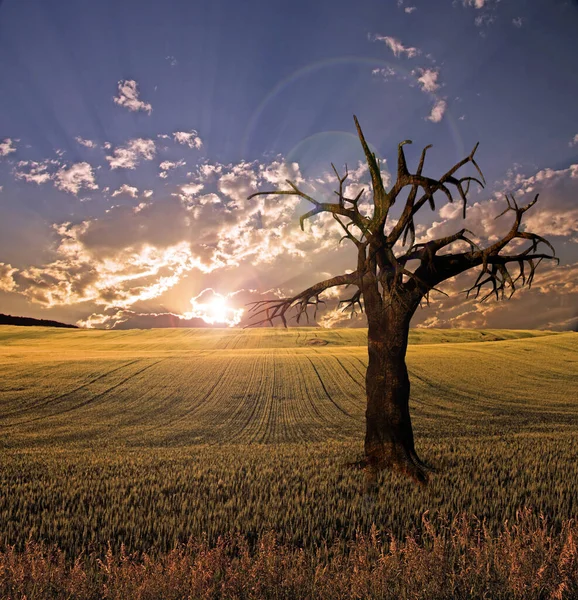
[(389, 442)]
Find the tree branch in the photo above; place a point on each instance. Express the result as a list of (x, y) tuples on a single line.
[(277, 309)]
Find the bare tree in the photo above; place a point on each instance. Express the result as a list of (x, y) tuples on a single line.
[(394, 275)]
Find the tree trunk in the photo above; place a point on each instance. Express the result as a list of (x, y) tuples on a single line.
[(389, 440)]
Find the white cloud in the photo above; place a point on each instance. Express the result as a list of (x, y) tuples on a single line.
[(128, 157), (476, 3), (410, 9), (385, 72), (128, 96), (573, 141), (72, 179), (171, 60), (437, 112), (188, 138), (427, 79), (126, 190), (167, 165), (85, 143), (518, 22), (397, 47), (7, 283), (37, 172), (7, 147), (147, 193)]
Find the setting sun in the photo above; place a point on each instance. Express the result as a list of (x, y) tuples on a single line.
[(218, 310)]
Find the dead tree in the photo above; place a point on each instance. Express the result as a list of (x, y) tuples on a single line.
[(389, 289)]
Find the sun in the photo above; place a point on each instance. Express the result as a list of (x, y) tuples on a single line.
[(218, 310)]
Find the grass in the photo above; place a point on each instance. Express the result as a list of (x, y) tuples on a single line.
[(150, 441)]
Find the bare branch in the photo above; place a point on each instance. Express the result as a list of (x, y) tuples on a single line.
[(405, 226), (277, 309)]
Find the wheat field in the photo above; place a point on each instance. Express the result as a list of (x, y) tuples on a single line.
[(139, 441)]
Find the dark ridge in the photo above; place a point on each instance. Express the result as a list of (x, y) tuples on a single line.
[(29, 321)]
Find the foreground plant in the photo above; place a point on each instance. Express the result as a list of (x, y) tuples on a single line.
[(389, 290)]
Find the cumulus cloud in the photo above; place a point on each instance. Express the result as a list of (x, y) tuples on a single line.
[(437, 111), (126, 190), (75, 177), (128, 96), (147, 193), (37, 172), (133, 254), (397, 47), (7, 283), (85, 143), (573, 141), (188, 138), (7, 147), (168, 165), (129, 156), (410, 9), (427, 79)]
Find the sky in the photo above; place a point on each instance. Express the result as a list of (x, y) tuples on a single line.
[(132, 132)]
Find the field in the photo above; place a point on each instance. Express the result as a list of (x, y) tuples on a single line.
[(138, 441)]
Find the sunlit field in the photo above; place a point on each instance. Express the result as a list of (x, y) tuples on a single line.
[(147, 441)]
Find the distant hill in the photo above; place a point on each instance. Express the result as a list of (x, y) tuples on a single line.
[(28, 321)]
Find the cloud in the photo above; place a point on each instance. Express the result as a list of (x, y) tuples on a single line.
[(128, 96), (67, 178), (475, 3), (85, 143), (573, 141), (171, 60), (167, 165), (75, 177), (385, 72), (437, 112), (397, 47), (7, 147), (126, 190), (427, 79), (129, 156), (7, 283), (147, 193), (188, 138), (37, 172), (518, 22), (410, 9)]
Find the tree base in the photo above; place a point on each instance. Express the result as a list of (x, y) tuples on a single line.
[(394, 458)]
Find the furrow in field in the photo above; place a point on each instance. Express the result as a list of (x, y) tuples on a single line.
[(244, 398), (257, 429), (53, 400), (90, 400), (217, 373), (327, 394)]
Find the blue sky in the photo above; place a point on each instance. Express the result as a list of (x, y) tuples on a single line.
[(132, 132)]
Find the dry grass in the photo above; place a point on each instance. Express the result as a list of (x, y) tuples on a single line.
[(460, 559)]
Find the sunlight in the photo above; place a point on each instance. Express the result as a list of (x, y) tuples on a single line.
[(218, 310), (214, 309)]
